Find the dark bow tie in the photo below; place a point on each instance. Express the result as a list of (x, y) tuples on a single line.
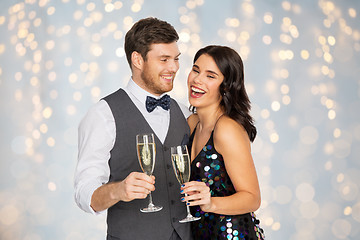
[(152, 103)]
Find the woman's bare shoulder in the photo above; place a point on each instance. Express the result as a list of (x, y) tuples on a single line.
[(228, 131), (192, 121)]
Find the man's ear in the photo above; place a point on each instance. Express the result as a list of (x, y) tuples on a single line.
[(137, 60)]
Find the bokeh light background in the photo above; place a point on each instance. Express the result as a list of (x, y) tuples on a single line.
[(302, 68)]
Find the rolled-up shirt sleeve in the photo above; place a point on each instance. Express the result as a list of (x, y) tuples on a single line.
[(96, 137)]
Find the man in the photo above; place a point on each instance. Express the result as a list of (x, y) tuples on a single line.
[(108, 175)]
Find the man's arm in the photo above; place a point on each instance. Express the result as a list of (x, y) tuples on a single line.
[(96, 139), (135, 186)]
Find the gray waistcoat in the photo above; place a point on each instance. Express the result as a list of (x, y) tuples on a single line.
[(125, 221)]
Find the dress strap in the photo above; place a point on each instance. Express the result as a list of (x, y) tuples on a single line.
[(193, 132), (218, 120)]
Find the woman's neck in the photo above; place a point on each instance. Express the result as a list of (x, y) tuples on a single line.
[(208, 117)]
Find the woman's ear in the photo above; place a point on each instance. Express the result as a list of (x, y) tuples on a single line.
[(137, 60)]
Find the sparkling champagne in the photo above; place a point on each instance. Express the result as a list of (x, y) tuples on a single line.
[(146, 154), (181, 164)]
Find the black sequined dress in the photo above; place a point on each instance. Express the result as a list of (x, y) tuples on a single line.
[(208, 166)]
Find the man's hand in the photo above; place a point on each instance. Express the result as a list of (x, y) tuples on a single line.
[(135, 186)]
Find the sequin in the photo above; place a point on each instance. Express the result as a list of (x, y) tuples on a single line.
[(209, 167)]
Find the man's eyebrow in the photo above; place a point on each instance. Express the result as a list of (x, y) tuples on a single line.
[(168, 56)]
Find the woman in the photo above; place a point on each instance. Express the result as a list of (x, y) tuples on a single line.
[(224, 189)]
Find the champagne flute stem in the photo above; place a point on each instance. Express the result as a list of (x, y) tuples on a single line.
[(188, 211), (187, 207), (150, 200)]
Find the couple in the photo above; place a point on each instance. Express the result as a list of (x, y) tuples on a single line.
[(223, 190)]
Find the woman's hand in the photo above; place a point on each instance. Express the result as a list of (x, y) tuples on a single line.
[(198, 194)]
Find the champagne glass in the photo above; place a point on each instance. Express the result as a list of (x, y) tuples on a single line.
[(146, 152), (181, 164)]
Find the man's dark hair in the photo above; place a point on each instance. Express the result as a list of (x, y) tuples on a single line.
[(145, 32)]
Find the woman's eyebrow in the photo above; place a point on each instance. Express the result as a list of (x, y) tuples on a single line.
[(209, 71)]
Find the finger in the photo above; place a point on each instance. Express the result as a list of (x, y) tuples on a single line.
[(132, 192), (132, 182), (193, 184), (199, 200), (189, 184), (137, 189), (142, 176), (134, 176), (137, 195), (196, 197), (200, 203), (196, 188), (143, 184), (191, 193)]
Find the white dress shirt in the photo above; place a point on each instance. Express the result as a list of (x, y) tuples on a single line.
[(96, 138)]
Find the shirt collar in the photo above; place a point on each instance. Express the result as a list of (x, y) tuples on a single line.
[(139, 93)]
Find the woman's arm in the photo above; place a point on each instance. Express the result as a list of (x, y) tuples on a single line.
[(232, 142)]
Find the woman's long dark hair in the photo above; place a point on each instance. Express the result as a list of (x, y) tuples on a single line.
[(235, 100)]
